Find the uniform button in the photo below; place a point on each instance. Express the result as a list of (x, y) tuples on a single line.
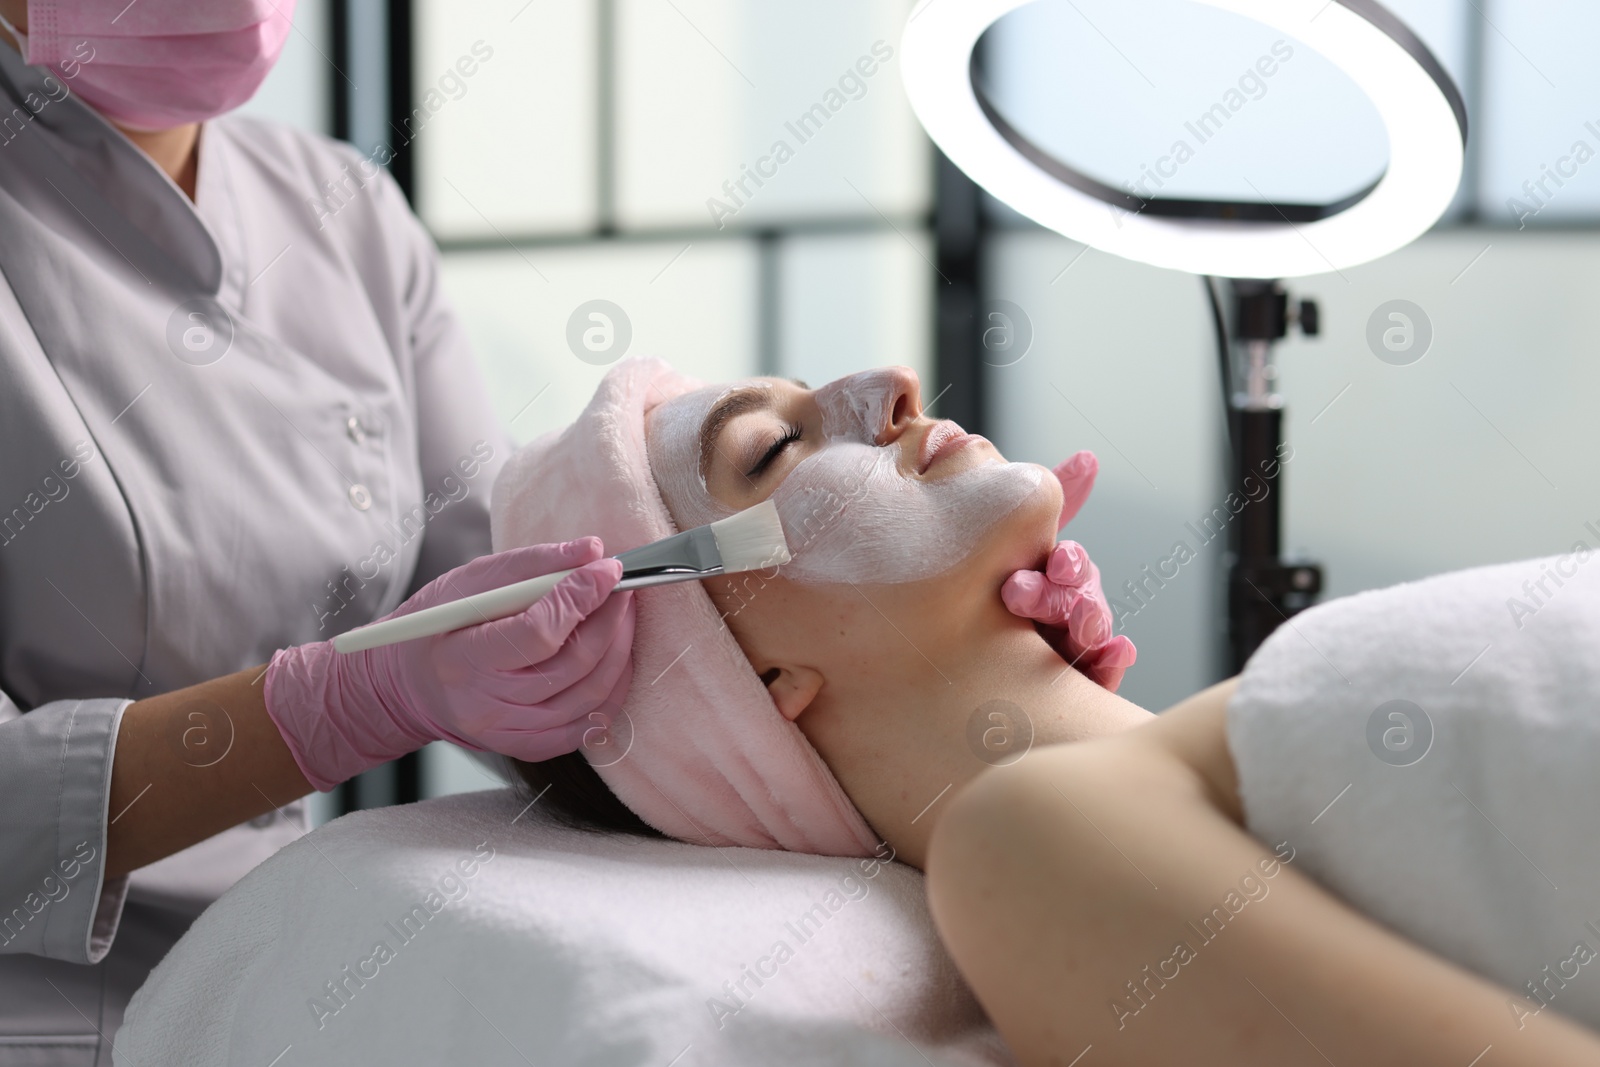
[(353, 427), (359, 497)]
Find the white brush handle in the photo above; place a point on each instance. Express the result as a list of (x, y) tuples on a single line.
[(453, 615)]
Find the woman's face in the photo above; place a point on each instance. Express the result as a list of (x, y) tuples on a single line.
[(902, 528), (869, 489)]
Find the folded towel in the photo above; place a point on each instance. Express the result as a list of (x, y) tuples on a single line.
[(460, 931), (1430, 752)]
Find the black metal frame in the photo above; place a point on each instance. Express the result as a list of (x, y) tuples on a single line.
[(961, 227)]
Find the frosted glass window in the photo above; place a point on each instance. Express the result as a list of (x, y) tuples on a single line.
[(850, 302), (1540, 128), (505, 124), (299, 92), (695, 308), (707, 91)]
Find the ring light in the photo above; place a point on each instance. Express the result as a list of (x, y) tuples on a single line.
[(1421, 108)]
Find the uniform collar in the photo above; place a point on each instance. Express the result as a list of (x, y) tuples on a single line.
[(112, 167)]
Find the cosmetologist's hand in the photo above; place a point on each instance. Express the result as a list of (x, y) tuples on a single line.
[(528, 686), (1066, 601)]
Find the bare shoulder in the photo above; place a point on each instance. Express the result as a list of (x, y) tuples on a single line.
[(1181, 754)]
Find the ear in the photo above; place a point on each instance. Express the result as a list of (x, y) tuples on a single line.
[(792, 688)]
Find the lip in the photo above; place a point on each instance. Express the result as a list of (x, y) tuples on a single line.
[(942, 440)]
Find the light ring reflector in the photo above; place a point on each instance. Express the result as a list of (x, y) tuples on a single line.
[(1421, 108)]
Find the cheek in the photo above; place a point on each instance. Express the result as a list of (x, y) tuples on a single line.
[(852, 517), (778, 621), (1023, 539), (741, 596)]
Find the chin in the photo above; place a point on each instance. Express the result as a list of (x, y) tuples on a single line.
[(1022, 540), (1038, 516)]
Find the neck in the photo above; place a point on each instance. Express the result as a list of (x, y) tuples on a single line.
[(980, 709), (175, 151)]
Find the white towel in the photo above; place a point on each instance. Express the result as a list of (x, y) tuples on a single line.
[(1483, 849), (509, 940)]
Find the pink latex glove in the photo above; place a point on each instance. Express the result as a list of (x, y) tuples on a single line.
[(1066, 601), (529, 685)]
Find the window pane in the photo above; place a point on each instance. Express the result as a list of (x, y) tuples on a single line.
[(696, 309), (712, 91), (854, 301), (1540, 132), (505, 116)]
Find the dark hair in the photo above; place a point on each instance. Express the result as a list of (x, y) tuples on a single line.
[(571, 791)]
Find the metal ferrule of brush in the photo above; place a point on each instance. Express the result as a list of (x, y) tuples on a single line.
[(693, 552)]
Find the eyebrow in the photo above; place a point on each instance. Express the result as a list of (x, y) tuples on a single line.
[(738, 402)]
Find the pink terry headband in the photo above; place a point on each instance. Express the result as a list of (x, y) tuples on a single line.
[(710, 759)]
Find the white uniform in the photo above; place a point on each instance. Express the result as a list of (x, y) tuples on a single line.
[(223, 427)]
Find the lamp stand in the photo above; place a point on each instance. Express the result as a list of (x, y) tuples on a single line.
[(1264, 589)]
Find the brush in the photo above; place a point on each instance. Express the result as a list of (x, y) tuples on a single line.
[(744, 542)]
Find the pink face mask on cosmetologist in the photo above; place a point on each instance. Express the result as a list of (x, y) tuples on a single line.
[(158, 63)]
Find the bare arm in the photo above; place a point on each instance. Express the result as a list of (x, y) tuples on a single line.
[(190, 764), (1065, 885)]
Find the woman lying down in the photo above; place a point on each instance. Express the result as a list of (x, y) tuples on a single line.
[(1303, 864)]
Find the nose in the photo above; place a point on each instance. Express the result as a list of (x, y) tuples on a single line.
[(874, 406), (902, 404)]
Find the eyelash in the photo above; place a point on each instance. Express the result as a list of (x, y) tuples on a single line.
[(791, 434)]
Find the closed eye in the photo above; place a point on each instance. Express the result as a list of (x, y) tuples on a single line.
[(791, 434)]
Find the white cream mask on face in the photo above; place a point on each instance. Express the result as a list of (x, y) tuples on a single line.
[(850, 513)]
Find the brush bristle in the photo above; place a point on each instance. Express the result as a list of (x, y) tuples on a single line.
[(751, 539)]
